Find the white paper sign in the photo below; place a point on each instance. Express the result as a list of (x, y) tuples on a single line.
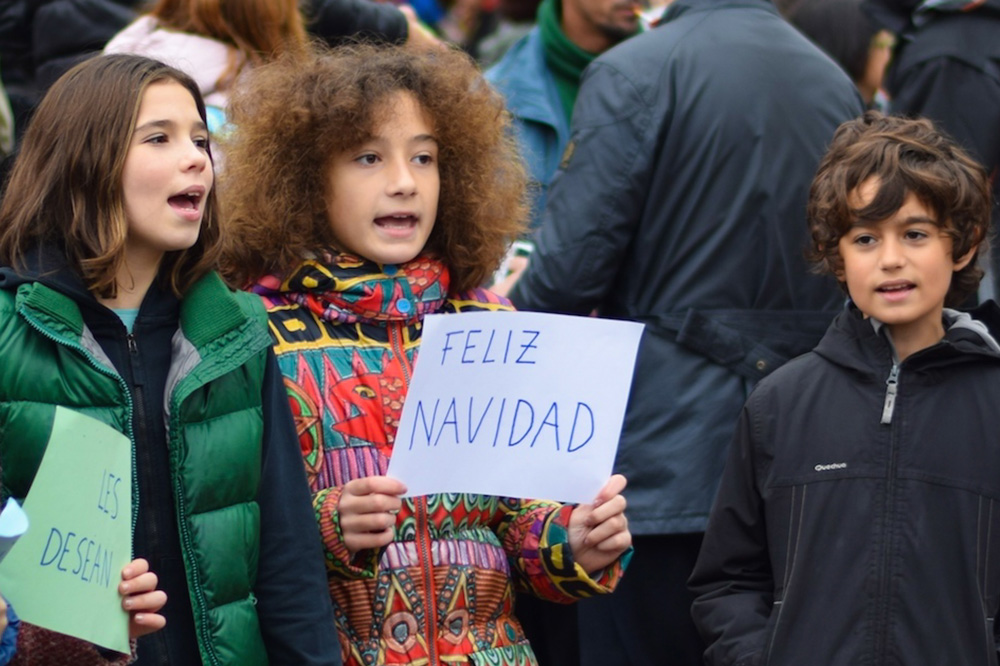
[(517, 404)]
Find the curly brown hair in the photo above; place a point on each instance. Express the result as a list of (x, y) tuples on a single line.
[(906, 155), (294, 114)]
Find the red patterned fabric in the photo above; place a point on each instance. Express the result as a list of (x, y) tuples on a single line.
[(41, 647), (347, 334)]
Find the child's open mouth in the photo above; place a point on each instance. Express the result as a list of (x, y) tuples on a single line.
[(396, 221), (401, 225), (896, 292), (186, 205)]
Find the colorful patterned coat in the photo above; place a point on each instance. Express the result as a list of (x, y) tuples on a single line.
[(346, 334)]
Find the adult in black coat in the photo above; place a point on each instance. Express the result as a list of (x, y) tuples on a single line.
[(681, 203)]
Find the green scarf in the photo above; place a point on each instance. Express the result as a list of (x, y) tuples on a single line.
[(565, 59)]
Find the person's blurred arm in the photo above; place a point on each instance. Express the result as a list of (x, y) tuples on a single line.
[(293, 603), (8, 629)]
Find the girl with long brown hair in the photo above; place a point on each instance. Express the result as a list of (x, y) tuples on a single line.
[(109, 306)]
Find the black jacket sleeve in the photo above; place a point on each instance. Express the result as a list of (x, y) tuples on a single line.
[(732, 577), (959, 97), (293, 603), (338, 21), (596, 199)]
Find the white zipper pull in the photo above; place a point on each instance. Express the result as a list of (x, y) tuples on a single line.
[(891, 384)]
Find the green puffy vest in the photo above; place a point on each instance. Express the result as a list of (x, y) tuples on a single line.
[(215, 428)]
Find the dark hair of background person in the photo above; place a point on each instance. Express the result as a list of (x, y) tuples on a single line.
[(843, 31)]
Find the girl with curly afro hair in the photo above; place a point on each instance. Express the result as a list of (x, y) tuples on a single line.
[(364, 189)]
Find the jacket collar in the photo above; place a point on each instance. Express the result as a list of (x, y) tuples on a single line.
[(855, 343), (208, 310), (48, 266), (528, 85), (680, 7)]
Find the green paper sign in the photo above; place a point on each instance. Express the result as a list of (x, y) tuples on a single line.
[(63, 574)]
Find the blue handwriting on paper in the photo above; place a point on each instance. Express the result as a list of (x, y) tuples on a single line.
[(512, 424), (88, 560), (493, 346), (81, 556)]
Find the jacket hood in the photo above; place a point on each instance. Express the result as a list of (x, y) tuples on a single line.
[(206, 60), (862, 345), (48, 265)]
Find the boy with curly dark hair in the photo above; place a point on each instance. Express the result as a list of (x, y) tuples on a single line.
[(858, 514)]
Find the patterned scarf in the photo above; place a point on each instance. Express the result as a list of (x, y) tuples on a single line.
[(345, 288)]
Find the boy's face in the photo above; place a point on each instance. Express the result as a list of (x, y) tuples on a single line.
[(899, 270), (384, 194)]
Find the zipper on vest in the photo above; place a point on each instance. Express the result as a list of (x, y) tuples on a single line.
[(199, 610), (891, 386), (103, 369)]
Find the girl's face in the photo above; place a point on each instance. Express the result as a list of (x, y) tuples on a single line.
[(383, 195), (167, 174)]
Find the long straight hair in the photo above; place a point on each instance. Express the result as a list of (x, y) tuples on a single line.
[(259, 29), (65, 188)]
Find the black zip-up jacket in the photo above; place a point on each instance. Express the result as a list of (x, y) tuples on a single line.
[(858, 520), (293, 605)]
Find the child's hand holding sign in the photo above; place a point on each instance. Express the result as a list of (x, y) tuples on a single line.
[(598, 532)]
